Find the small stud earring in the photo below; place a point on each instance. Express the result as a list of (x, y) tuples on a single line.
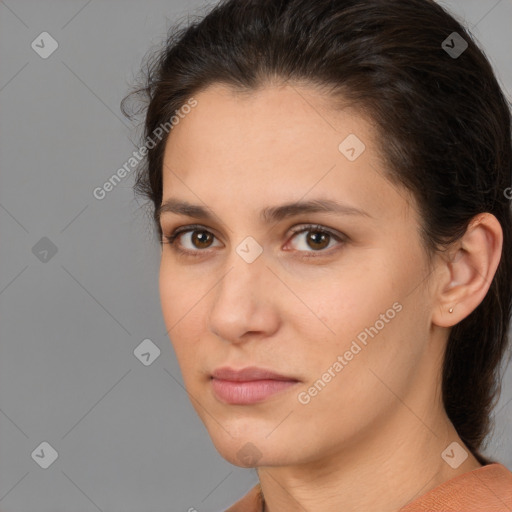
[(450, 310)]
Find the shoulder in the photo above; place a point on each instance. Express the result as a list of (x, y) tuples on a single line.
[(485, 489), (251, 502)]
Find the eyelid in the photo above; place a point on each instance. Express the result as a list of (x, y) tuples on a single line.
[(315, 227)]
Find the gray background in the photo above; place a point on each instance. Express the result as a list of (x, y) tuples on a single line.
[(126, 435)]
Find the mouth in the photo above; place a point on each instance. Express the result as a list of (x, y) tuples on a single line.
[(249, 385)]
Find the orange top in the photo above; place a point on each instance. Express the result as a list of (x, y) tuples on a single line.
[(485, 489)]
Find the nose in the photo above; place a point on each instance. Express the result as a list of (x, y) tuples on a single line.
[(244, 302)]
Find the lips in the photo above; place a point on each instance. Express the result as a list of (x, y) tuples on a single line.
[(249, 385), (248, 374)]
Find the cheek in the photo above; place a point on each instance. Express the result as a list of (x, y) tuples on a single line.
[(338, 305), (377, 347), (180, 300), (361, 315), (180, 293)]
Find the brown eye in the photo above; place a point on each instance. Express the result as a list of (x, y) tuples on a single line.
[(312, 238), (192, 240), (196, 240), (318, 239), (201, 239)]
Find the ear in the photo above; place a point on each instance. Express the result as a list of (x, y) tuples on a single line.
[(469, 270)]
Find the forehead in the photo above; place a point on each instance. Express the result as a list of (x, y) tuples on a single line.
[(274, 145), (284, 127)]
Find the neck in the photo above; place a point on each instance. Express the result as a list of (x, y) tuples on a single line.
[(384, 470)]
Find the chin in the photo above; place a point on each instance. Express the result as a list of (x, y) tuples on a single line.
[(253, 450)]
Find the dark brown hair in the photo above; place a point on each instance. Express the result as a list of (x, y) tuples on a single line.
[(443, 122)]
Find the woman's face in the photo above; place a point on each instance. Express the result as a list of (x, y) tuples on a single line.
[(345, 315)]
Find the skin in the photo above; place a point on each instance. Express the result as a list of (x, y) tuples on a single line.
[(380, 419)]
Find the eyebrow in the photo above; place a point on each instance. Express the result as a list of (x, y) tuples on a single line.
[(268, 215)]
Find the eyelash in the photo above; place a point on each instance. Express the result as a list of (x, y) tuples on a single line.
[(170, 239)]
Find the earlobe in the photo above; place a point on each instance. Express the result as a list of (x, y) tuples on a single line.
[(470, 272)]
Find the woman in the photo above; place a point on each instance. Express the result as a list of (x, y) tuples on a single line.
[(336, 272)]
